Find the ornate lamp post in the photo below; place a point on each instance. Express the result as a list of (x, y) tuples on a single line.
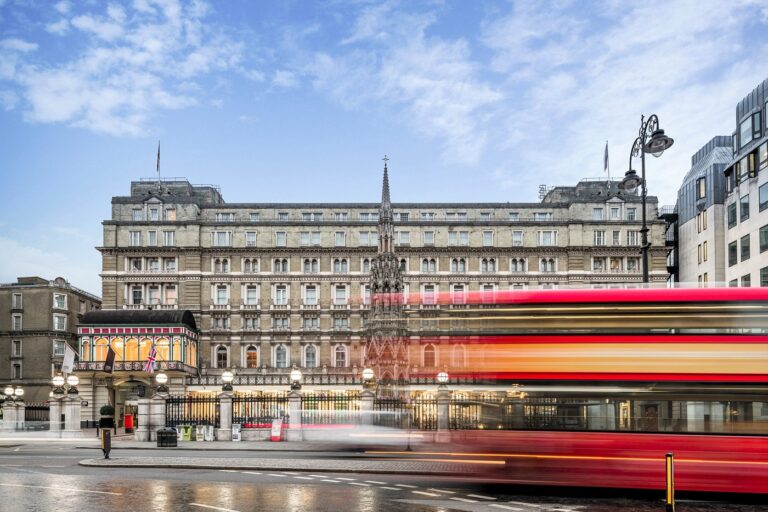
[(295, 378), (652, 140), (162, 379), (73, 381), (368, 376), (19, 393), (442, 379), (227, 377), (8, 391)]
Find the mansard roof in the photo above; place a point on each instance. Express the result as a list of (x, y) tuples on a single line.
[(125, 317)]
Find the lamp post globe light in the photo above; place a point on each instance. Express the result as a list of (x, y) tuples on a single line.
[(368, 376), (295, 378), (8, 391), (162, 380), (227, 377), (19, 392), (58, 385), (73, 381), (652, 140), (442, 379)]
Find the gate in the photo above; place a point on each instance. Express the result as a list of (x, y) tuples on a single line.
[(36, 416), (192, 410)]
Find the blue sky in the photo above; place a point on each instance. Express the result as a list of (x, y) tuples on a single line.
[(298, 101)]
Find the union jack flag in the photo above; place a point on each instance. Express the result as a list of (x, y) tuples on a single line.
[(149, 366)]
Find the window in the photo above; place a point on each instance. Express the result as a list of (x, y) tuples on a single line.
[(616, 264), (706, 279), (701, 188), (428, 294), (599, 237), (169, 238), (280, 239), (428, 265), (733, 283), (456, 216), (488, 265), (152, 238), (59, 322), (458, 265), (368, 238), (341, 265), (429, 237), (16, 371), (311, 265), (281, 323), (746, 280), (16, 351), (254, 216), (222, 295), (631, 213), (403, 237), (614, 213), (135, 238), (280, 265), (251, 323), (763, 196), (704, 251), (616, 238), (745, 132), (429, 356), (731, 215), (487, 238), (281, 356), (402, 217), (366, 294), (222, 359), (458, 238), (340, 356), (281, 294), (58, 348), (542, 216), (733, 254), (341, 239), (170, 214), (366, 265), (340, 294), (517, 238), (704, 220), (698, 254), (282, 215), (341, 216), (225, 217), (153, 295), (134, 264), (153, 264), (17, 301), (764, 276), (514, 216), (82, 306), (136, 295), (310, 356), (633, 238), (762, 154), (251, 357), (341, 323), (221, 265), (403, 264), (250, 265), (546, 238), (547, 265), (597, 214), (757, 125), (485, 215), (221, 238), (763, 235), (517, 265), (311, 323), (744, 208), (457, 294), (428, 216), (60, 300), (154, 214), (310, 295), (250, 239), (599, 264), (698, 222), (136, 216), (251, 294), (311, 216), (744, 247), (170, 294)]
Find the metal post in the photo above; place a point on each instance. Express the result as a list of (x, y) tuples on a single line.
[(644, 230), (670, 500)]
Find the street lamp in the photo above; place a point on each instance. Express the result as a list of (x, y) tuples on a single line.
[(442, 379), (652, 140), (73, 381), (227, 377), (8, 391), (58, 385), (162, 380), (19, 392), (368, 378), (295, 380)]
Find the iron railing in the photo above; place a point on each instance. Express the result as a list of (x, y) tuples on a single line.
[(257, 410), (330, 408), (192, 410)]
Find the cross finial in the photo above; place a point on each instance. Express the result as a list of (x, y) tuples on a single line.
[(386, 159)]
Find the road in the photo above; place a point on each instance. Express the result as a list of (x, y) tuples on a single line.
[(46, 477)]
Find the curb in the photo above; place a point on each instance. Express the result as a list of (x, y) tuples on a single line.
[(260, 450)]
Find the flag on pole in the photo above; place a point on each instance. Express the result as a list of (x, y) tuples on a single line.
[(69, 359), (606, 165), (158, 160), (109, 363), (149, 366)]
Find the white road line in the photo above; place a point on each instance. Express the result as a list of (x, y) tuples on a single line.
[(304, 477), (275, 474), (442, 490), (408, 486), (392, 488), (251, 472), (425, 493), (212, 507), (480, 496), (524, 503), (465, 500), (17, 449), (504, 507), (228, 471), (53, 466), (319, 476), (375, 482), (346, 479), (61, 489), (288, 472), (331, 481), (359, 483)]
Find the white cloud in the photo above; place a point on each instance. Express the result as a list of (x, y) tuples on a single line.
[(59, 28), (285, 78), (63, 7), (140, 60), (8, 99)]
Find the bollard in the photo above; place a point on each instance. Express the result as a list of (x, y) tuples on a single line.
[(670, 501), (106, 442)]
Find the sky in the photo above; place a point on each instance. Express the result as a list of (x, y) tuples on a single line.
[(298, 101)]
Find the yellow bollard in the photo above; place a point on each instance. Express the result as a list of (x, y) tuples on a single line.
[(670, 501)]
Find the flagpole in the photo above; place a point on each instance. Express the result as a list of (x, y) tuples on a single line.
[(158, 166)]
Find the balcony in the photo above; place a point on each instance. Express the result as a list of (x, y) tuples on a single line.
[(133, 306), (250, 306), (220, 307), (310, 307), (279, 305), (167, 306), (342, 306)]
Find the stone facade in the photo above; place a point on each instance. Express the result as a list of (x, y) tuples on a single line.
[(274, 285), (39, 318)]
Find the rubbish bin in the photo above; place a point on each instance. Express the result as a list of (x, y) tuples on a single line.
[(209, 435), (186, 432), (199, 432), (166, 437)]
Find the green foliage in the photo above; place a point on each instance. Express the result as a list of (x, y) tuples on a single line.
[(107, 410)]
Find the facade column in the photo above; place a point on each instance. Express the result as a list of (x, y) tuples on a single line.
[(157, 409), (366, 406), (143, 427), (54, 413), (21, 408), (294, 432), (224, 432), (9, 416), (443, 411), (71, 406)]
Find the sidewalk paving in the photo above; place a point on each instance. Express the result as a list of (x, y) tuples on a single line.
[(421, 467), (256, 446)]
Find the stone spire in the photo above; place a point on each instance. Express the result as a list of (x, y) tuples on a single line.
[(385, 228), (385, 209)]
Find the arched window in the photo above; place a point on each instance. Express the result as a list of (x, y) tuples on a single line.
[(251, 357), (403, 264), (488, 265), (547, 265), (100, 349), (340, 356), (459, 356), (250, 265), (310, 356), (225, 265), (217, 265), (341, 265), (222, 359), (366, 265), (281, 265), (458, 265), (281, 357), (85, 350), (517, 265), (429, 356)]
